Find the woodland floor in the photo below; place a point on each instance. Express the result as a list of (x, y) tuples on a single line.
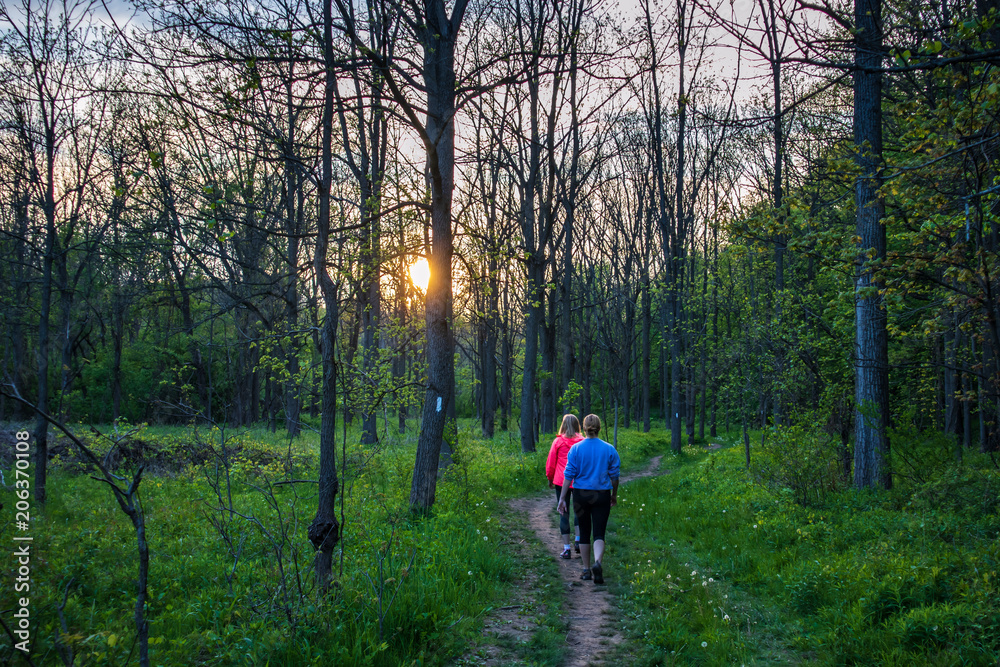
[(584, 623)]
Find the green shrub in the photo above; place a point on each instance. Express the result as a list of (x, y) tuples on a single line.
[(848, 578), (238, 589), (801, 462)]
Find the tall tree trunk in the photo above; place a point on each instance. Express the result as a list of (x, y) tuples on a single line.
[(665, 364), (438, 40), (41, 426), (566, 291), (292, 399), (951, 390), (668, 362), (489, 350), (714, 432), (402, 327), (989, 403), (548, 396), (676, 406), (965, 385), (21, 286), (66, 329), (529, 375), (324, 531), (871, 443), (535, 288), (780, 244), (566, 302), (507, 365), (647, 323), (703, 388), (370, 316), (350, 391), (676, 238), (117, 336)]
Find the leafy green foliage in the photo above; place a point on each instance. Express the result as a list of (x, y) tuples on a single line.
[(801, 462), (718, 569), (410, 588)]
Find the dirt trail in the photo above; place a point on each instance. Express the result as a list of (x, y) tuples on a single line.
[(588, 609)]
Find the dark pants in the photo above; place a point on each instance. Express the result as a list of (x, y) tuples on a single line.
[(592, 508), (564, 518)]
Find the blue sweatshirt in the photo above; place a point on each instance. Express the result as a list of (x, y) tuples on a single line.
[(592, 464)]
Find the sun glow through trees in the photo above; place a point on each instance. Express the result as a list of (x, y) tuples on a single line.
[(420, 274)]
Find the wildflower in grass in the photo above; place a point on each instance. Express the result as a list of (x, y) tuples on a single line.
[(470, 573), (704, 583), (486, 538), (710, 580), (725, 618), (704, 644), (694, 573), (755, 525)]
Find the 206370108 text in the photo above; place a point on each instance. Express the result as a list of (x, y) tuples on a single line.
[(22, 541)]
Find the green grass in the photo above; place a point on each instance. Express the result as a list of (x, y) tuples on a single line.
[(539, 600), (427, 580), (718, 567), (711, 565)]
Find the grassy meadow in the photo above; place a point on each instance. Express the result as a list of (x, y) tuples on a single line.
[(710, 564), (782, 566)]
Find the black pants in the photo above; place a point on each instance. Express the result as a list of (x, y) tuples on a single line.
[(564, 518), (592, 507)]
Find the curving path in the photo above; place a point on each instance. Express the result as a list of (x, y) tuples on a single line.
[(588, 608)]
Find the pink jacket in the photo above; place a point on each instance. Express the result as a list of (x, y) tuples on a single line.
[(556, 462)]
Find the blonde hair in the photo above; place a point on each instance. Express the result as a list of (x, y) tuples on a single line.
[(570, 426), (592, 425)]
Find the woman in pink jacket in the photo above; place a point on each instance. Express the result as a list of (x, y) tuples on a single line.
[(569, 435)]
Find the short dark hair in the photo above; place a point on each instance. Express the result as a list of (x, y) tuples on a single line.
[(591, 425)]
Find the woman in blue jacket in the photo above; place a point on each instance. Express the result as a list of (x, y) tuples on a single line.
[(592, 468)]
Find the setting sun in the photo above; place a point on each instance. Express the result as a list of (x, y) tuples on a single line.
[(420, 274)]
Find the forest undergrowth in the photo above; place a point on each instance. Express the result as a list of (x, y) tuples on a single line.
[(712, 565), (786, 566), (230, 563)]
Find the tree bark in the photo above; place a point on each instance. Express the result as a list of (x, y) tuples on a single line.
[(529, 375), (41, 426), (489, 349), (324, 531), (647, 323), (871, 444), (292, 399), (548, 398), (438, 39)]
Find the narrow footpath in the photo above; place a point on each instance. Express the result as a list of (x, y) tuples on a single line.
[(588, 609)]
